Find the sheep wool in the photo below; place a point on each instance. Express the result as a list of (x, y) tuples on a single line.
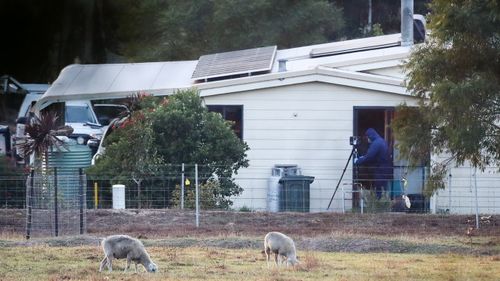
[(282, 247), (124, 246)]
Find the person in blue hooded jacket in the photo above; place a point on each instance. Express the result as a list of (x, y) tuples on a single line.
[(378, 160)]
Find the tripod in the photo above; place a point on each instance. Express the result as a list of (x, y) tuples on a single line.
[(354, 152)]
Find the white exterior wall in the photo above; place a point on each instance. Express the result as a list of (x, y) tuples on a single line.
[(459, 193), (305, 124)]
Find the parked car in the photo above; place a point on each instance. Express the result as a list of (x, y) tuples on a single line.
[(107, 112), (88, 127), (110, 128)]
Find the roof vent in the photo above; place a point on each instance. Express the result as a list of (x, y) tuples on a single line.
[(282, 65), (234, 64)]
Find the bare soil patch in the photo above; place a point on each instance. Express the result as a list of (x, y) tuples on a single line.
[(176, 223), (330, 232)]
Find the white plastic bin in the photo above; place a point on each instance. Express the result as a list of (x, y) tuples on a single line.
[(118, 196)]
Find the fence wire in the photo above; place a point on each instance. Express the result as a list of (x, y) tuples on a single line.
[(43, 212)]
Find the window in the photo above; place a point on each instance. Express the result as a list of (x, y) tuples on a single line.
[(233, 113), (79, 114), (107, 112)]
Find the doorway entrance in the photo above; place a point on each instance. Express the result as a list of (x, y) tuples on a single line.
[(378, 118), (405, 180)]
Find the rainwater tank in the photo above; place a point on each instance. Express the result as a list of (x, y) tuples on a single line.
[(68, 160)]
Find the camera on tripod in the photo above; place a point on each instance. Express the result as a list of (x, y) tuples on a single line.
[(354, 140)]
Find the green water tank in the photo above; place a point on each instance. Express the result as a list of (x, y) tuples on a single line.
[(68, 160)]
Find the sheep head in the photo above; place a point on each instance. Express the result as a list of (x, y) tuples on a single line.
[(152, 267), (292, 260)]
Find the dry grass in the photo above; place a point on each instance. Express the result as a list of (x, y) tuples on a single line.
[(207, 263)]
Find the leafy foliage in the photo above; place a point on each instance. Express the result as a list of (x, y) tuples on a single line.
[(43, 132), (374, 204), (210, 196), (176, 130), (457, 79), (187, 29), (130, 153), (106, 31), (187, 133)]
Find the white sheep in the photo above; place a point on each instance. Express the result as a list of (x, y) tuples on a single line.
[(124, 246), (282, 246)]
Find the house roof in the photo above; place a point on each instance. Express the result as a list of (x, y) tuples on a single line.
[(351, 66)]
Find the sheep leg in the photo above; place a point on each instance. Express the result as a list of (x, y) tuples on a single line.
[(276, 259), (268, 254), (110, 263), (103, 263), (128, 264), (136, 268)]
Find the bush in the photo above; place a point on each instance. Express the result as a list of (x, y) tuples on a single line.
[(210, 196), (374, 204)]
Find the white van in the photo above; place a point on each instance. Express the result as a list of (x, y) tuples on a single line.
[(88, 127), (82, 118)]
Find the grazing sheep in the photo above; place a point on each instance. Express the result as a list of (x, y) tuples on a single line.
[(124, 246), (283, 248)]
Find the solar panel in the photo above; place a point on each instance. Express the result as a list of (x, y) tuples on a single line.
[(234, 64)]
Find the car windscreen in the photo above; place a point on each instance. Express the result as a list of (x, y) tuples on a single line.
[(106, 113), (78, 114)]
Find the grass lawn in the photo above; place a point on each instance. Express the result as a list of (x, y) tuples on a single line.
[(208, 263)]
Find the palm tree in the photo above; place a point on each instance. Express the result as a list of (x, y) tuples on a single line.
[(43, 135)]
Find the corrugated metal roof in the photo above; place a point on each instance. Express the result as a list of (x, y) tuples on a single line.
[(102, 81), (97, 81), (365, 44), (240, 62)]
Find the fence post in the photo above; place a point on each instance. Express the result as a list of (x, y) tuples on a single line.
[(449, 193), (182, 187), (56, 211), (362, 201), (29, 202), (477, 203), (343, 200), (96, 195), (80, 195), (197, 196)]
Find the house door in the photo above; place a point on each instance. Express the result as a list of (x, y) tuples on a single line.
[(378, 118), (405, 179)]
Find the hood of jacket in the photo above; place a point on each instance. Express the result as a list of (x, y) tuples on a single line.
[(372, 134)]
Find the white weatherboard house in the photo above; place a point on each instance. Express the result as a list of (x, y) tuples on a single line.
[(294, 106)]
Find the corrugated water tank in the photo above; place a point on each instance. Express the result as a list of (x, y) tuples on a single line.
[(69, 160)]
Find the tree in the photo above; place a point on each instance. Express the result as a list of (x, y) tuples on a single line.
[(176, 130), (122, 164), (180, 30), (387, 13), (185, 132), (43, 134), (456, 76)]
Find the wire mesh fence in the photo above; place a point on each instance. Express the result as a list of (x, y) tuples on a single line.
[(57, 204)]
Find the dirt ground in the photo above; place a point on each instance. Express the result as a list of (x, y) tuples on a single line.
[(384, 232), (175, 223)]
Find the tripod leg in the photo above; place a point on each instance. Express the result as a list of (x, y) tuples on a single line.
[(342, 176)]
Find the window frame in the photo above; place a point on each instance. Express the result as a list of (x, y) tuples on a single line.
[(223, 109)]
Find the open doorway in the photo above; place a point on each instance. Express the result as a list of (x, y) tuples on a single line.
[(404, 179), (378, 118)]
